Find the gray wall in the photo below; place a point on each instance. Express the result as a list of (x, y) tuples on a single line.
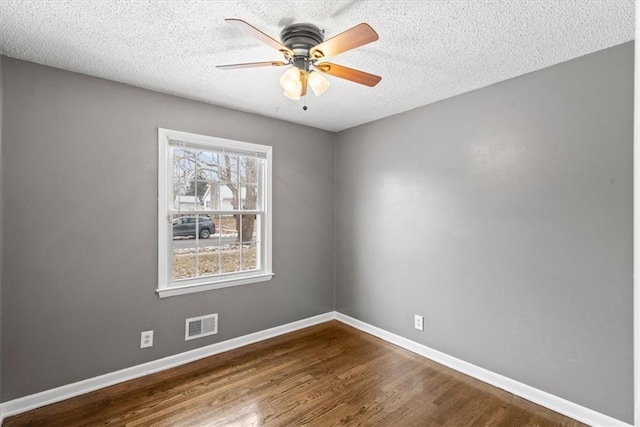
[(80, 164), (1, 226), (504, 216)]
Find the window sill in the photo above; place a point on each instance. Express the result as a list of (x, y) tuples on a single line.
[(219, 284)]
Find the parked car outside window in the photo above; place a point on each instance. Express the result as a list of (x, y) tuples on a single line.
[(185, 226)]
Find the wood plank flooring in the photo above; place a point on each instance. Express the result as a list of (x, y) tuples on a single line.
[(329, 374)]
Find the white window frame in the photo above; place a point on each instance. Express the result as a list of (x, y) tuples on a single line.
[(166, 287)]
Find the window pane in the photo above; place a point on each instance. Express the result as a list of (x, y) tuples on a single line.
[(230, 255), (228, 168), (200, 190), (184, 265), (187, 193), (248, 228), (209, 260), (183, 250), (249, 167), (228, 228), (249, 258), (206, 172), (249, 197), (183, 168), (205, 226), (229, 248), (183, 164), (208, 166), (211, 197), (192, 245), (229, 197)]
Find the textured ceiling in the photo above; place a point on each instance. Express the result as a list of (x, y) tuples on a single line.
[(428, 50)]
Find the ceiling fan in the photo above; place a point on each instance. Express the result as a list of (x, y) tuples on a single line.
[(304, 48)]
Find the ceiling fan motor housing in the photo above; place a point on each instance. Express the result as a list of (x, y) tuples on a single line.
[(300, 38)]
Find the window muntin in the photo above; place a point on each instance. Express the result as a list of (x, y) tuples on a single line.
[(214, 213)]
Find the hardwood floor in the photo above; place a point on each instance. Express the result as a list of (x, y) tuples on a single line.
[(329, 374)]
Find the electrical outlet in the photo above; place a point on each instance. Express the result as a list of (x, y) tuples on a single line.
[(418, 322), (146, 339)]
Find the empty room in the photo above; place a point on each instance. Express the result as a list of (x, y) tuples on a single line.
[(385, 213)]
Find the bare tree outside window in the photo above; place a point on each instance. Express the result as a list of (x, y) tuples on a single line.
[(244, 193)]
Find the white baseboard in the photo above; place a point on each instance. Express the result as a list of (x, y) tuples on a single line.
[(532, 394), (58, 394)]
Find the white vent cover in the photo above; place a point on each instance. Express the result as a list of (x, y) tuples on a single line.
[(198, 327)]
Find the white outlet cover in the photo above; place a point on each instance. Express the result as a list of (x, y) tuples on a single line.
[(146, 339), (419, 322)]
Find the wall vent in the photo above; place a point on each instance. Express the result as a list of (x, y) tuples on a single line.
[(198, 327)]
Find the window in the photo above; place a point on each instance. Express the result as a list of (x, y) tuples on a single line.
[(214, 213)]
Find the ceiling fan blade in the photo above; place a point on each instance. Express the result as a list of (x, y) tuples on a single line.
[(347, 73), (354, 37), (252, 65), (264, 38)]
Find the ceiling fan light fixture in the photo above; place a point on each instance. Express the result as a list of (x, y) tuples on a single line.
[(292, 95), (291, 83), (318, 83)]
